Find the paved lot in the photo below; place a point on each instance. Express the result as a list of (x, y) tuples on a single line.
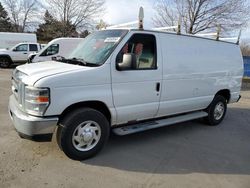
[(185, 155)]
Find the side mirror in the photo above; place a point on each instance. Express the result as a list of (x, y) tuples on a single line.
[(57, 58), (49, 53), (128, 63)]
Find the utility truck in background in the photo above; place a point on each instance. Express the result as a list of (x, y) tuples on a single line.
[(126, 80), (8, 39), (18, 54), (57, 48)]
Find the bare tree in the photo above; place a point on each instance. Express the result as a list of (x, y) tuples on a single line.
[(78, 13), (245, 48), (21, 12), (201, 15)]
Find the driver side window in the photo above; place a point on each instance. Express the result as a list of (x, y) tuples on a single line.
[(22, 48), (143, 46), (51, 50)]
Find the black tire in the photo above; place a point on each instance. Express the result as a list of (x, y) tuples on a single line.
[(5, 62), (58, 135), (70, 125), (214, 118)]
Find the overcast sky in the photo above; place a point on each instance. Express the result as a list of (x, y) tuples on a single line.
[(122, 11)]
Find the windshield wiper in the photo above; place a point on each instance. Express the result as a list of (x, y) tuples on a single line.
[(78, 61)]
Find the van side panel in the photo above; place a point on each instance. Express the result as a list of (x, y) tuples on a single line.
[(194, 70)]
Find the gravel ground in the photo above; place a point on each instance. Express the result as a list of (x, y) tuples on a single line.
[(186, 155)]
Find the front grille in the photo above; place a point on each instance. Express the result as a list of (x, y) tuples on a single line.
[(17, 88), (14, 88)]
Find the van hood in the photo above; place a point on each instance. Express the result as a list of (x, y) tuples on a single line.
[(36, 71)]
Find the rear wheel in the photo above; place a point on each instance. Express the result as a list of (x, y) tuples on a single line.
[(5, 62), (216, 111), (83, 133)]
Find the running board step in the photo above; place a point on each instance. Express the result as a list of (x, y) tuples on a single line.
[(139, 127)]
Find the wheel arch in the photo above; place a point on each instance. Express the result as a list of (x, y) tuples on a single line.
[(224, 93), (7, 56), (97, 105)]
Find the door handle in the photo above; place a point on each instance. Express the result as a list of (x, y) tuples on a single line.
[(24, 53), (158, 86)]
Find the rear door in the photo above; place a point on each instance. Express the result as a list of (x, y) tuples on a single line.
[(136, 92), (33, 48)]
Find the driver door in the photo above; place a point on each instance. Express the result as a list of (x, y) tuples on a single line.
[(49, 53), (20, 53), (136, 92)]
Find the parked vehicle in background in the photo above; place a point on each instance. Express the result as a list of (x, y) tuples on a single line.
[(8, 40), (17, 54), (60, 47)]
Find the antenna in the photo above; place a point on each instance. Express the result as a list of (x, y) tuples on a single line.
[(218, 33), (238, 39), (141, 17)]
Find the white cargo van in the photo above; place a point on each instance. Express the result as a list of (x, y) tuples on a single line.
[(8, 39), (60, 47), (124, 80)]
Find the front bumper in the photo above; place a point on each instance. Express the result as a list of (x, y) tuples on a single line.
[(235, 97), (239, 98), (31, 127)]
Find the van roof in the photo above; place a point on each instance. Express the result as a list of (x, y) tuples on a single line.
[(66, 38), (173, 33)]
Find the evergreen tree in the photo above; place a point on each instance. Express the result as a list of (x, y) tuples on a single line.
[(51, 29), (48, 18), (47, 30), (84, 34), (5, 25)]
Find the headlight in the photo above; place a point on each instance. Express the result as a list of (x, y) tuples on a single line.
[(18, 75), (36, 100)]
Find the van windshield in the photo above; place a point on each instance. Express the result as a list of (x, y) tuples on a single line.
[(97, 47)]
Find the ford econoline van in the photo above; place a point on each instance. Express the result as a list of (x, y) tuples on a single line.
[(125, 81)]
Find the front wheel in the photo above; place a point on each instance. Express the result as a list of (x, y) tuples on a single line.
[(83, 133), (5, 62), (216, 111)]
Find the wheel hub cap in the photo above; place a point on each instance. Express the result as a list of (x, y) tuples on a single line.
[(219, 111), (86, 135)]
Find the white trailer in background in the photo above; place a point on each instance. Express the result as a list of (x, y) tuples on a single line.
[(8, 40)]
